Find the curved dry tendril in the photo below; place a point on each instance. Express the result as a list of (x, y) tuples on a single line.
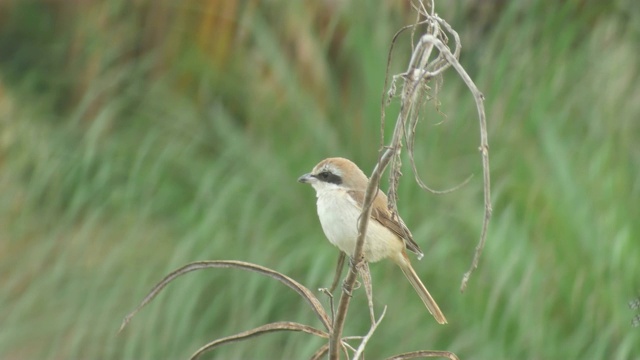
[(414, 76), (199, 265), (424, 354), (260, 330)]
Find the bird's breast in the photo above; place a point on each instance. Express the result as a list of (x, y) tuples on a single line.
[(338, 217), (339, 214)]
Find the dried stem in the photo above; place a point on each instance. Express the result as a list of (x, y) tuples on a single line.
[(423, 354), (484, 148), (336, 277), (260, 330), (365, 340), (365, 274), (199, 265), (420, 71)]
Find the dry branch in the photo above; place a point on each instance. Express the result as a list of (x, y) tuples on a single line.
[(424, 354), (199, 265), (421, 69), (260, 330), (360, 351)]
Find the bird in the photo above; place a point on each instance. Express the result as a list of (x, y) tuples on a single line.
[(340, 188)]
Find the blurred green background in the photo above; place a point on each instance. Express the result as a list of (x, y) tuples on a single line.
[(138, 136)]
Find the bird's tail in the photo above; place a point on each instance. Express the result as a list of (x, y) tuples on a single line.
[(407, 270)]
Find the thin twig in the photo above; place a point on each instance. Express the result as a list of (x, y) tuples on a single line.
[(330, 296), (365, 274), (415, 76), (424, 353), (339, 266), (484, 148), (320, 353), (260, 330), (365, 340), (199, 265), (386, 97)]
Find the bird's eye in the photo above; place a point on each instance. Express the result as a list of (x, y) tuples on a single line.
[(329, 177)]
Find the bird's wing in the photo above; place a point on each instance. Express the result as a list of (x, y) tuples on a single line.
[(380, 212)]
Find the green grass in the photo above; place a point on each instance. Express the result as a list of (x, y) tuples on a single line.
[(130, 168)]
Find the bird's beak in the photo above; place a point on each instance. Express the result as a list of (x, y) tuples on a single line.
[(306, 178)]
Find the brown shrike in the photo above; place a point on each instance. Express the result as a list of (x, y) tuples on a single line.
[(340, 187)]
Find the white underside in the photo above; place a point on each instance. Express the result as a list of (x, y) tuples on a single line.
[(339, 213)]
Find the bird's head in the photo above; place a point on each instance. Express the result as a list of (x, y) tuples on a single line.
[(335, 173)]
